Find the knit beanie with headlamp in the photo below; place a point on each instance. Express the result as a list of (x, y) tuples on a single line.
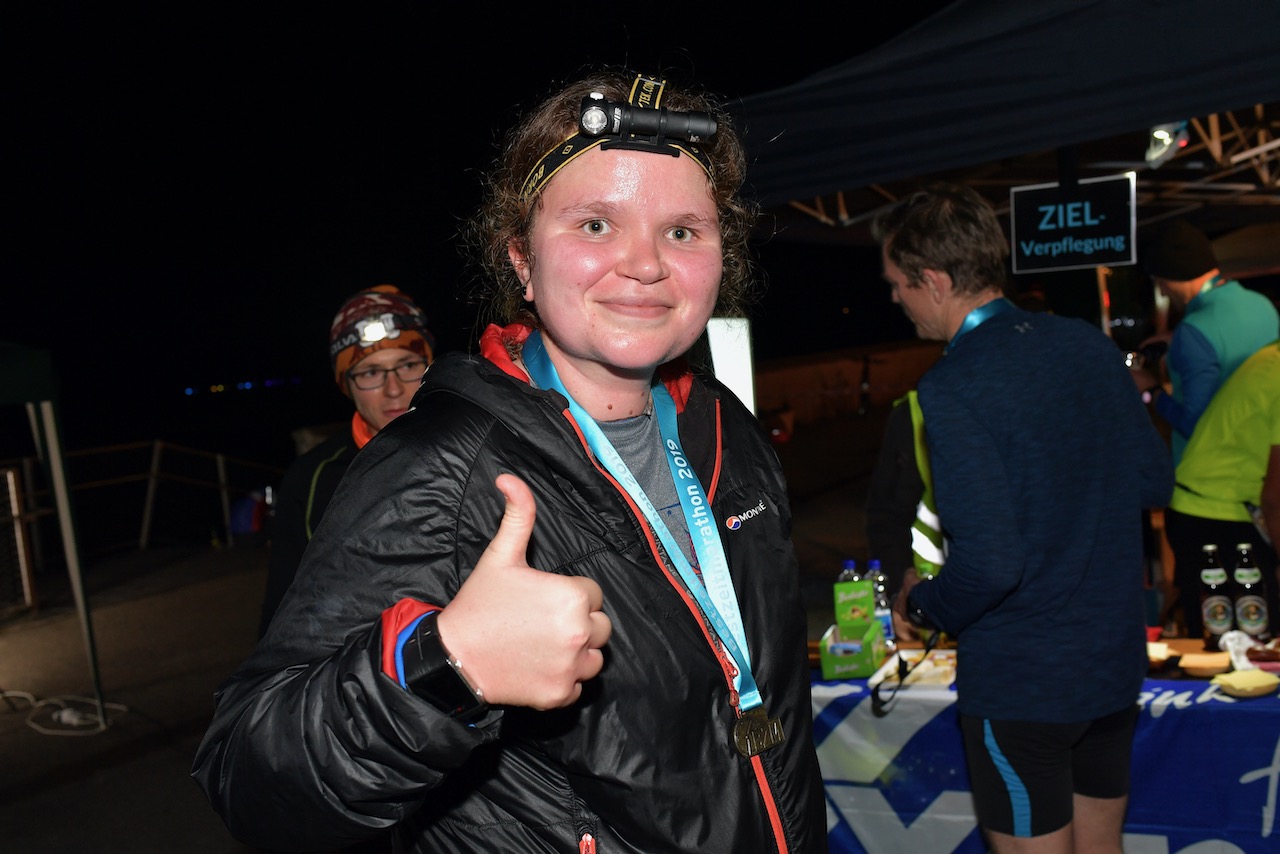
[(379, 318)]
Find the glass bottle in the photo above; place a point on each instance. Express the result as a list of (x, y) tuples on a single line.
[(1215, 597), (883, 608), (1250, 595)]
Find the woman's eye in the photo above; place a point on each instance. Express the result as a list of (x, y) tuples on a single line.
[(596, 226)]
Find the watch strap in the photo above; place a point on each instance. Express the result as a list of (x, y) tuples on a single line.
[(433, 674)]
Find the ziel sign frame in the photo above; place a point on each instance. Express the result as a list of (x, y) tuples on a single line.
[(1090, 223)]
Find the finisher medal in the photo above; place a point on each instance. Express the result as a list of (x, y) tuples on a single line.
[(755, 732)]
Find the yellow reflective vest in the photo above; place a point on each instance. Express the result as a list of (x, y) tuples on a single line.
[(928, 546)]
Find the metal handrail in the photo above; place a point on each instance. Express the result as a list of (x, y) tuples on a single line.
[(36, 499)]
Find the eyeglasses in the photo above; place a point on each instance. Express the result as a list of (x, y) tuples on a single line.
[(409, 373)]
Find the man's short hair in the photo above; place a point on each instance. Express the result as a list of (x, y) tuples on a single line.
[(949, 228)]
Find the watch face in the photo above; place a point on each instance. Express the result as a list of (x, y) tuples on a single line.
[(446, 690)]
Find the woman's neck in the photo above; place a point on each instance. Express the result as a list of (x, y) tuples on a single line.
[(605, 393)]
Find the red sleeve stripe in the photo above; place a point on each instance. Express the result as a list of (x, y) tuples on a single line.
[(395, 620)]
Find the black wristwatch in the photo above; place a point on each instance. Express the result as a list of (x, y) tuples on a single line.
[(916, 617), (436, 676)]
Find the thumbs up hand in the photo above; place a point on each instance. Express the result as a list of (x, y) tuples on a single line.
[(524, 637)]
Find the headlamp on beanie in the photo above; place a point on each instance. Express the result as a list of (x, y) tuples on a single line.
[(377, 319), (374, 329)]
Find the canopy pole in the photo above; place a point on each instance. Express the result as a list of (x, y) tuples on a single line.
[(62, 499)]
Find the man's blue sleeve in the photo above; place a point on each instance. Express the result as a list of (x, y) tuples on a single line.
[(1194, 361)]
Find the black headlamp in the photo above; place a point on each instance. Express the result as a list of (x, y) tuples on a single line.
[(640, 127), (639, 124)]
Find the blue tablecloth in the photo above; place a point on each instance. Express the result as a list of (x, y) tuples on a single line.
[(1206, 770)]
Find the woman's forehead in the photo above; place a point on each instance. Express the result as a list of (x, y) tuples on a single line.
[(616, 176)]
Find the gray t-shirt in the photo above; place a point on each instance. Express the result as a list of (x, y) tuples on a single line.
[(639, 442)]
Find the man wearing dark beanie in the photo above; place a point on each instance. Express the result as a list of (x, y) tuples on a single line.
[(1223, 324)]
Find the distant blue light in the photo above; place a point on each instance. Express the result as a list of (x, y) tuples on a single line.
[(243, 385)]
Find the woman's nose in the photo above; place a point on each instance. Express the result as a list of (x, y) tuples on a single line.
[(642, 261)]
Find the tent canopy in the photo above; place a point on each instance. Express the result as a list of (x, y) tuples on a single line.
[(1003, 93)]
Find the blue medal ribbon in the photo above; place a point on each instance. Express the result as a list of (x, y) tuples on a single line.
[(714, 588), (977, 317)]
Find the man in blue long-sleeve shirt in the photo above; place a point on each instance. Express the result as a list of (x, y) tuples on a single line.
[(1043, 459)]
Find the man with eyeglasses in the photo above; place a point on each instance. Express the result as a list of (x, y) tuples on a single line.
[(380, 348)]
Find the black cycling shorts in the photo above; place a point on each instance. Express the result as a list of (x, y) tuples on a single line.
[(1024, 774)]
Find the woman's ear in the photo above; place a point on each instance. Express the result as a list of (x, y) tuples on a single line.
[(520, 263)]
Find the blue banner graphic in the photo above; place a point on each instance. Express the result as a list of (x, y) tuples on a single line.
[(1206, 770)]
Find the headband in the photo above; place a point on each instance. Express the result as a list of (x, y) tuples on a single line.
[(641, 124)]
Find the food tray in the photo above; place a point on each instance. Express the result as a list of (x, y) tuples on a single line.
[(1202, 665), (937, 672)]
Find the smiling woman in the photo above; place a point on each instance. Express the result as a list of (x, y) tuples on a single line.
[(473, 624)]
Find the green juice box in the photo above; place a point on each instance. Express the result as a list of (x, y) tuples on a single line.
[(855, 606)]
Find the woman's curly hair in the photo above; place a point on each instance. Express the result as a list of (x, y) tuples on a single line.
[(505, 216)]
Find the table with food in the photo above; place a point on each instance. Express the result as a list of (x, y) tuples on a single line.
[(1205, 768)]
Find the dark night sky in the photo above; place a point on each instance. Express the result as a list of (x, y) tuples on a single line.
[(194, 188)]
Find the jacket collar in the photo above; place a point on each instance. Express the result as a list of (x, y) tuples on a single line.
[(499, 343)]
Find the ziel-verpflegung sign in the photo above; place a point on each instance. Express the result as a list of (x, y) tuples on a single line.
[(1087, 224)]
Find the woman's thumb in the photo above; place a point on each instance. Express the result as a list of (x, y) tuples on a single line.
[(511, 542)]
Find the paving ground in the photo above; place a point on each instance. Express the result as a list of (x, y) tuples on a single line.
[(169, 625), (164, 640)]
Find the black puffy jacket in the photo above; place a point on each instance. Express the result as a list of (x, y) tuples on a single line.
[(305, 492), (312, 747)]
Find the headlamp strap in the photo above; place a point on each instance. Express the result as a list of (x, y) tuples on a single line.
[(646, 94)]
